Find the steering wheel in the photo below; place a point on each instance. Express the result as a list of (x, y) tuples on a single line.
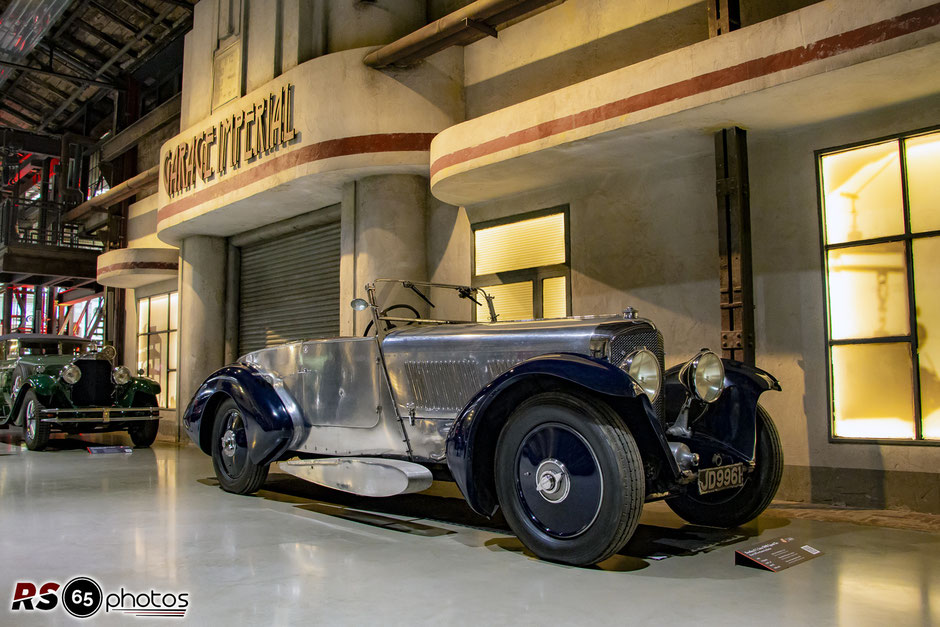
[(389, 325)]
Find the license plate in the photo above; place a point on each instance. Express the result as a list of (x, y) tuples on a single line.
[(721, 478)]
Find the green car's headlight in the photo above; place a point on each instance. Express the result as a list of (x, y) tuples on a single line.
[(71, 374), (643, 367), (704, 376), (121, 375), (108, 352)]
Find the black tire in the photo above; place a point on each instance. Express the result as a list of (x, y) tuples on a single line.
[(35, 432), (732, 508), (233, 468), (590, 503), (144, 433)]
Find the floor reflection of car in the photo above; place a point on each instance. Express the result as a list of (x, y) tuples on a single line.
[(61, 383), (567, 425)]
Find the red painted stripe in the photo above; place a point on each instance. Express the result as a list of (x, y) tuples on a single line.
[(824, 48), (140, 265), (361, 144)]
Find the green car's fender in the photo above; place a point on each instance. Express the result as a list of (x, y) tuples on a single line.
[(136, 389), (43, 384)]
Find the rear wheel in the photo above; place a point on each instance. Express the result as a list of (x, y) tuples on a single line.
[(36, 432), (569, 478), (731, 508), (233, 467)]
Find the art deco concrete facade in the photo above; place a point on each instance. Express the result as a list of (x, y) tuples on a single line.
[(607, 106)]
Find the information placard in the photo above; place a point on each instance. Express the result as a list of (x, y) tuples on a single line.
[(777, 554)]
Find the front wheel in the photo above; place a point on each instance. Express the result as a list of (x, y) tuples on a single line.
[(732, 508), (144, 432), (234, 469), (569, 478), (36, 431)]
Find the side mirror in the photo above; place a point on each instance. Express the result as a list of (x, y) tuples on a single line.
[(359, 304)]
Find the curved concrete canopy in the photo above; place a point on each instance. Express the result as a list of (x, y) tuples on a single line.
[(136, 267), (350, 121), (773, 75)]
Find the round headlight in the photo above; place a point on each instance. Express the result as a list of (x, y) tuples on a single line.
[(71, 374), (643, 367), (108, 352), (121, 375), (704, 376)]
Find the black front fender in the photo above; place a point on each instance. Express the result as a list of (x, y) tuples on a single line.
[(271, 421), (471, 443), (728, 425)]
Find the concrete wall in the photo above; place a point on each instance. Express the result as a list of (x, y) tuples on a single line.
[(572, 42), (789, 307)]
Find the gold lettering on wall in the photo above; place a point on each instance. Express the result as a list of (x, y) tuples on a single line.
[(243, 137)]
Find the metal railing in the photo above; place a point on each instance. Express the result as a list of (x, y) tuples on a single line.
[(39, 222)]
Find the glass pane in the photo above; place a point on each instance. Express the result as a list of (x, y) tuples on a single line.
[(159, 313), (143, 314), (862, 193), (174, 311), (173, 349), (868, 292), (157, 345), (142, 342), (873, 391), (171, 390), (554, 297), (923, 181), (524, 244), (513, 301), (927, 295)]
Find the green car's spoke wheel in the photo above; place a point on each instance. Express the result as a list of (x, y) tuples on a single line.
[(36, 432), (233, 466), (731, 508), (569, 478)]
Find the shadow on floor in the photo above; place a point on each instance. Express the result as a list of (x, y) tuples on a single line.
[(657, 537)]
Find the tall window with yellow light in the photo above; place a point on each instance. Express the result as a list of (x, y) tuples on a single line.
[(881, 252), (523, 263)]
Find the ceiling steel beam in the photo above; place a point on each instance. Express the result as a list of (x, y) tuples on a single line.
[(119, 20), (65, 105), (68, 77), (106, 38), (30, 121)]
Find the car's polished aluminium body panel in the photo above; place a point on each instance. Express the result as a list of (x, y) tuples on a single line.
[(341, 391), (436, 370)]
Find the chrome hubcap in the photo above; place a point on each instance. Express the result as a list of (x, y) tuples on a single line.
[(552, 481), (228, 443)]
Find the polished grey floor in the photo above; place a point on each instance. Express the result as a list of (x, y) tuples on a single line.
[(299, 554)]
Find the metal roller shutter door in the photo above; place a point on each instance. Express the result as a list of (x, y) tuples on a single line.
[(289, 289)]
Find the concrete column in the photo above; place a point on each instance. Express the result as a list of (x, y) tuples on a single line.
[(201, 311), (390, 234)]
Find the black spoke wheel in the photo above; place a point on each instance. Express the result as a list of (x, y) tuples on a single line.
[(732, 508), (569, 478), (233, 466), (36, 433)]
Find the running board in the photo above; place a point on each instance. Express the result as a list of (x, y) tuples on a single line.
[(365, 476)]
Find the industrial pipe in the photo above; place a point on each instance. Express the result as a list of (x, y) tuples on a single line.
[(116, 194), (442, 33)]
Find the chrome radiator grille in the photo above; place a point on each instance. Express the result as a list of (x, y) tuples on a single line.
[(448, 385), (625, 343)]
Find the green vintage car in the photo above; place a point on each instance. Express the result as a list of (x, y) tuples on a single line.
[(68, 384)]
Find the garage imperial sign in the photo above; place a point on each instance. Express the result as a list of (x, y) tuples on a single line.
[(245, 136)]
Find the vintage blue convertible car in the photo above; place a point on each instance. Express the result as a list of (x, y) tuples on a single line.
[(567, 425)]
